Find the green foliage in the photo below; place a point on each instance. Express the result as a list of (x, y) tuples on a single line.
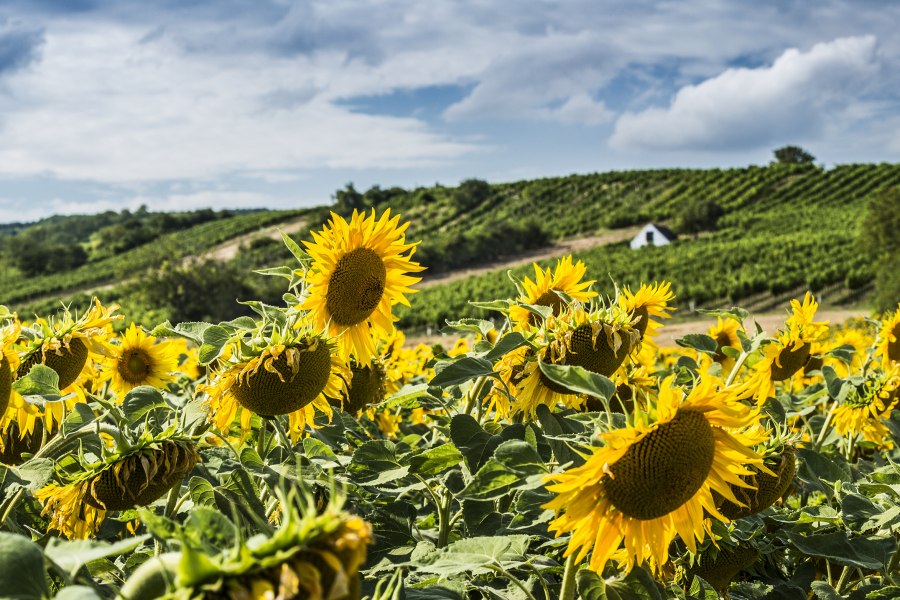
[(879, 238), (793, 155)]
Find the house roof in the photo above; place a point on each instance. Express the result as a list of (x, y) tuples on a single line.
[(671, 235)]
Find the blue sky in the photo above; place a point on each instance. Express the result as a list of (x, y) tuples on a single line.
[(182, 104)]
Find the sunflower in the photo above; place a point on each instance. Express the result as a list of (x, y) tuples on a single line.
[(290, 375), (725, 332), (9, 362), (140, 359), (888, 343), (719, 566), (648, 301), (367, 387), (790, 352), (358, 272), (597, 339), (65, 344), (655, 478), (768, 485), (138, 477), (565, 278), (316, 552), (868, 406)]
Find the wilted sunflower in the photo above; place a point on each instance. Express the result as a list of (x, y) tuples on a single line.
[(565, 278), (359, 271), (367, 387), (648, 301), (888, 343), (138, 360), (137, 477), (280, 376), (766, 485), (597, 339), (64, 344), (720, 565), (867, 407), (314, 554), (655, 478), (791, 350)]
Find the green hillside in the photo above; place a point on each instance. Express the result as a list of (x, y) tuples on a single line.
[(775, 229)]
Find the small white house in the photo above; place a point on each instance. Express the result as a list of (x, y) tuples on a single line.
[(653, 235)]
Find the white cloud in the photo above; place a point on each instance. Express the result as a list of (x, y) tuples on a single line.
[(794, 99), (101, 106)]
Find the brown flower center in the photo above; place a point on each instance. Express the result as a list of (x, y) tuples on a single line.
[(664, 469), (356, 287)]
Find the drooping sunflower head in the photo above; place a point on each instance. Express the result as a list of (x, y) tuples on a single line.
[(720, 564), (655, 478), (140, 359), (367, 387), (769, 482), (648, 301), (78, 505), (359, 271), (285, 376), (64, 344), (316, 552), (524, 387), (868, 406), (888, 341), (566, 278), (597, 339)]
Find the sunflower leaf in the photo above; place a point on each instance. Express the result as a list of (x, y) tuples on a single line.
[(22, 575), (214, 339), (40, 381), (140, 401), (699, 342), (454, 372), (71, 555), (579, 380), (298, 252)]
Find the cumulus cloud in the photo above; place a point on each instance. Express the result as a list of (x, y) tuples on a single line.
[(793, 99)]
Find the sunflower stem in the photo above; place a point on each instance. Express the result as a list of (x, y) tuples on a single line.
[(737, 367), (824, 431), (172, 500), (839, 587), (60, 443), (10, 505), (282, 436), (567, 592), (498, 568), (472, 396)]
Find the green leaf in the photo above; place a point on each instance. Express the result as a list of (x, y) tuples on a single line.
[(505, 345), (318, 452), (22, 575), (824, 591), (498, 305), (471, 325), (435, 460), (41, 380), (698, 341), (406, 397), (579, 380), (192, 330), (815, 468), (864, 552), (140, 401), (202, 492), (211, 528), (294, 247), (37, 472), (513, 463), (474, 554), (701, 590), (376, 463), (214, 339), (556, 426), (71, 555), (454, 372), (77, 592)]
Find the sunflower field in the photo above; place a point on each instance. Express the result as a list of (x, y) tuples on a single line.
[(554, 451)]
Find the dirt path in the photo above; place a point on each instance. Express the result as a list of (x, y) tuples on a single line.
[(671, 331), (558, 249)]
